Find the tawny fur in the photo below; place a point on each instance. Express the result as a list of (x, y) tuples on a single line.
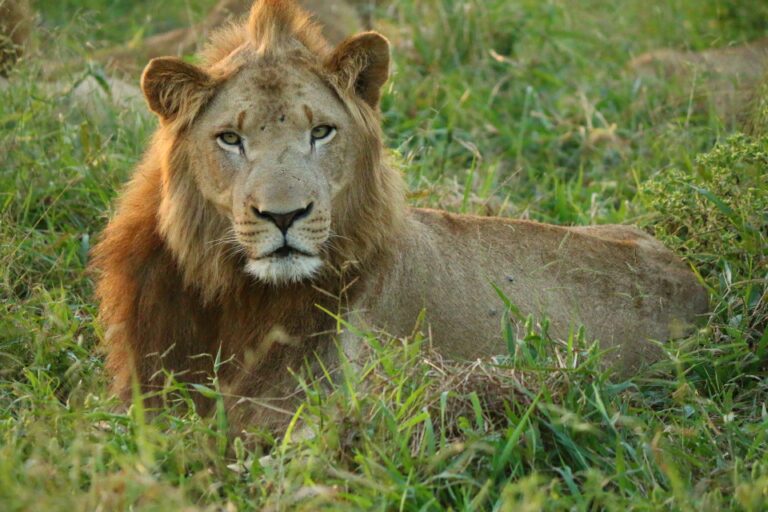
[(171, 281)]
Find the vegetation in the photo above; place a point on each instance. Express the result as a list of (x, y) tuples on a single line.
[(516, 108)]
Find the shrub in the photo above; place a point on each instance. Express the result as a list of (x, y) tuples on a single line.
[(716, 216)]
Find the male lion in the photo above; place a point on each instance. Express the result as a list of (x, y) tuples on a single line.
[(265, 196)]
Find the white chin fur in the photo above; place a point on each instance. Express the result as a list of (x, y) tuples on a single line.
[(291, 269)]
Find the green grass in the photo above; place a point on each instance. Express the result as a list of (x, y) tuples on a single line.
[(494, 107)]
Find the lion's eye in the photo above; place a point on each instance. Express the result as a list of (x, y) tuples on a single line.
[(322, 132), (230, 139)]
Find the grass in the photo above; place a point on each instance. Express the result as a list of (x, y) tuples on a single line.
[(516, 108)]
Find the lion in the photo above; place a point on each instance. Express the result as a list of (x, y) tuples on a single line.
[(265, 215)]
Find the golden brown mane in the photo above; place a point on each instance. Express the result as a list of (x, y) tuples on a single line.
[(272, 26), (167, 246)]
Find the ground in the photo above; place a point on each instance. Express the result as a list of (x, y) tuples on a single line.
[(521, 108)]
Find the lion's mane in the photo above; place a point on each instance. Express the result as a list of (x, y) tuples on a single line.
[(165, 280)]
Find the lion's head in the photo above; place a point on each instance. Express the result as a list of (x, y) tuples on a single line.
[(271, 148)]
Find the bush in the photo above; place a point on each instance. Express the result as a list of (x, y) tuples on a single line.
[(716, 216)]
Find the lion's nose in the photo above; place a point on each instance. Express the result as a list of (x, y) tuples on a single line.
[(284, 221)]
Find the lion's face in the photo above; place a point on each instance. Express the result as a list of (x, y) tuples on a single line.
[(274, 132), (272, 151)]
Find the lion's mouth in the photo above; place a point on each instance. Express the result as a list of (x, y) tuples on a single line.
[(285, 264), (286, 251)]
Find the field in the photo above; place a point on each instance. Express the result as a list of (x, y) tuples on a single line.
[(520, 108)]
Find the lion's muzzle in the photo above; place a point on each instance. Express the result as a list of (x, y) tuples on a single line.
[(284, 243)]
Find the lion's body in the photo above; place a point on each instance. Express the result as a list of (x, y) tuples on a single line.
[(191, 265), (618, 282), (622, 285)]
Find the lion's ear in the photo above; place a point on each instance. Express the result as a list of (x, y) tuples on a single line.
[(174, 88), (361, 63)]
